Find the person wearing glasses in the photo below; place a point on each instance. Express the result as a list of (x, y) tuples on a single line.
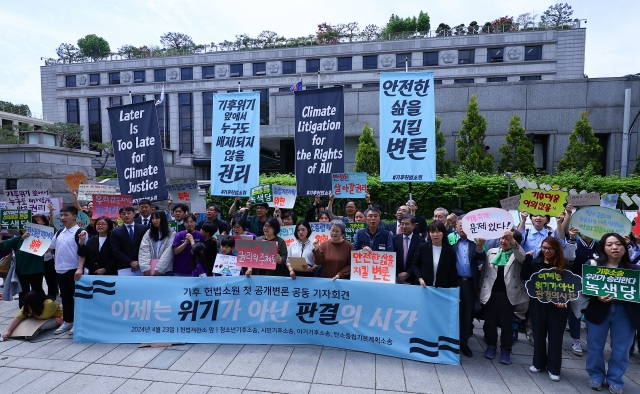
[(334, 255), (256, 223), (270, 229), (374, 237)]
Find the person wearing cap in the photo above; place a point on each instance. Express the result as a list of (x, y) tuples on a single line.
[(256, 223)]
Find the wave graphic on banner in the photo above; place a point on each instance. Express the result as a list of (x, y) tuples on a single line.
[(93, 289), (434, 346)]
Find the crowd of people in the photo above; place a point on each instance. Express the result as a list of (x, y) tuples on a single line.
[(489, 273)]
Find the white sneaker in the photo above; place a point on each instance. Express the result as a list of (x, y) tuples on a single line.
[(576, 348), (71, 331), (63, 328), (534, 369), (555, 378)]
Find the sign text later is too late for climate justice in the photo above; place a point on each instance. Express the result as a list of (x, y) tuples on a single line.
[(132, 172)]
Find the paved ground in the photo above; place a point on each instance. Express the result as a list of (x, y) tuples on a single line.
[(57, 365)]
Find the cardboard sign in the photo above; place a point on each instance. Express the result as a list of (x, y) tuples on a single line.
[(547, 285), (82, 220), (283, 196), (35, 200), (85, 192), (109, 206), (319, 231), (596, 221), (349, 184), (583, 200), (510, 203), (620, 284), (261, 194), (256, 254), (74, 180), (39, 239), (14, 219), (378, 267), (609, 201), (27, 327), (225, 265), (542, 202), (287, 233), (352, 228), (487, 223)]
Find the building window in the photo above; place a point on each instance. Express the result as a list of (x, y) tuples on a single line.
[(539, 150), (289, 67), (71, 81), (95, 123), (185, 136), (313, 65), (186, 74), (236, 70), (114, 78), (495, 55), (159, 75), (463, 80), (115, 101), (208, 72), (137, 99), (401, 58), (73, 115), (371, 85), (264, 106), (312, 87), (344, 64), (497, 79), (138, 76), (284, 89), (437, 82), (11, 184), (235, 90), (347, 86), (370, 62), (430, 59), (466, 57), (207, 113), (531, 78), (94, 79), (163, 121), (259, 68), (533, 53)]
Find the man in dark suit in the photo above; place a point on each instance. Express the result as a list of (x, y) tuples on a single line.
[(469, 256), (144, 213), (394, 228), (405, 244), (126, 239)]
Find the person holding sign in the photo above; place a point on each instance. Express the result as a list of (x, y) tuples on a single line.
[(157, 245), (36, 306), (434, 263), (502, 289), (548, 320), (373, 237), (49, 265), (29, 267), (606, 316), (256, 223), (532, 238), (302, 247), (239, 227), (182, 244), (271, 229), (334, 255), (96, 254)]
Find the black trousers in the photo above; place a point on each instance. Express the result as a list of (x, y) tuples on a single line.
[(29, 282), (467, 303), (547, 322), (498, 312), (50, 277), (67, 290)]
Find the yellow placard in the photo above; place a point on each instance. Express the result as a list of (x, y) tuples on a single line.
[(542, 202)]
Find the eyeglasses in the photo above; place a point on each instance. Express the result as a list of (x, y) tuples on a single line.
[(548, 249), (405, 224)]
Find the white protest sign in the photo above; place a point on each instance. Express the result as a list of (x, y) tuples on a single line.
[(583, 200), (57, 204), (225, 265), (39, 239), (510, 203), (287, 234), (86, 192), (3, 205), (487, 223), (35, 200), (377, 267), (183, 192), (319, 231), (283, 196)]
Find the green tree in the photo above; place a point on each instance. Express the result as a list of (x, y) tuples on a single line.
[(583, 149), (69, 134), (443, 166), (370, 32), (636, 171), (177, 41), (517, 151), (423, 22), (367, 154), (94, 47), (556, 15), (67, 52), (397, 24), (19, 109), (106, 151), (472, 154), (130, 52)]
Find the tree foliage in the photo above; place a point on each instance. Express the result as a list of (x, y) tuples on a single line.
[(67, 53), (557, 15), (130, 52), (443, 166), (367, 153), (106, 151), (327, 34), (20, 109), (398, 24), (177, 41), (370, 32), (472, 154), (69, 134), (349, 30), (94, 47), (517, 151), (636, 171), (583, 149)]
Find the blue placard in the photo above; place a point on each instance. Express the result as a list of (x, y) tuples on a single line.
[(349, 185), (235, 144), (407, 127), (410, 321)]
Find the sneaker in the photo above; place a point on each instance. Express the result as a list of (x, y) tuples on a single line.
[(594, 385), (505, 357), (71, 331), (576, 347), (615, 389), (534, 369), (490, 353), (555, 378), (63, 328)]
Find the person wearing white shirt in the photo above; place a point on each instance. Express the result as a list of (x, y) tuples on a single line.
[(302, 247)]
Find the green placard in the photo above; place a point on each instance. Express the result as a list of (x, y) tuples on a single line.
[(351, 229), (174, 225), (261, 194), (620, 284), (13, 219)]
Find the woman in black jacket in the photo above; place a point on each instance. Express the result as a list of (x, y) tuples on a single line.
[(96, 253), (434, 263)]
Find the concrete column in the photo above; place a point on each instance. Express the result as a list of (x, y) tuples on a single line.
[(198, 138), (174, 124), (83, 108), (104, 118)]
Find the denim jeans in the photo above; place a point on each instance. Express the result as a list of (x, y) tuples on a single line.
[(618, 324), (574, 323)]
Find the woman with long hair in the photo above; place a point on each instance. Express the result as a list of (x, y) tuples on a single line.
[(157, 244), (200, 265), (95, 253), (302, 247), (37, 306), (182, 244), (606, 316), (434, 263), (548, 320), (49, 264), (271, 229)]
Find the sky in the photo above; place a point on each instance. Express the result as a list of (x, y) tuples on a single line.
[(33, 29)]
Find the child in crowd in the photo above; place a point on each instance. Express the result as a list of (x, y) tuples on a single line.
[(37, 306), (200, 267)]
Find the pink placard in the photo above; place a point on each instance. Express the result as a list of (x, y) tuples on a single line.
[(256, 254)]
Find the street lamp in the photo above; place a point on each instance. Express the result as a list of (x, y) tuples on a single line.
[(508, 175)]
